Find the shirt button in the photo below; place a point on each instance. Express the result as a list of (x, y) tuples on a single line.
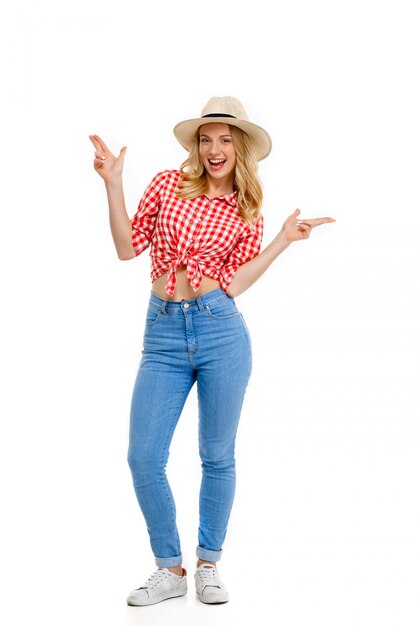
[(186, 305)]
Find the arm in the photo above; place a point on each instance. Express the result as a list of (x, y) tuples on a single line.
[(110, 169), (249, 272), (293, 229), (131, 236), (120, 224)]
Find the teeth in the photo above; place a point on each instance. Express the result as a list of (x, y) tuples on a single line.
[(217, 161)]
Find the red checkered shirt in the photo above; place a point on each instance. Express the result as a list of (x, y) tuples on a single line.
[(205, 234)]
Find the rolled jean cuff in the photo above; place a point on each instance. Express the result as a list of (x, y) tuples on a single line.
[(170, 561), (208, 555)]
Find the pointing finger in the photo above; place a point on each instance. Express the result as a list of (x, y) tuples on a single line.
[(101, 143), (318, 220), (94, 142), (96, 145), (99, 151)]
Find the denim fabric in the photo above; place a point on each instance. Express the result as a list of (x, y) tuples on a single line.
[(203, 340)]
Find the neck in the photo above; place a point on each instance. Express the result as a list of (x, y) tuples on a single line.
[(219, 187)]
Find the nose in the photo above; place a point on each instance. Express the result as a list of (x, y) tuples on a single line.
[(215, 148)]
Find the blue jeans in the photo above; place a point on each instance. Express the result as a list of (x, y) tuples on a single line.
[(203, 340)]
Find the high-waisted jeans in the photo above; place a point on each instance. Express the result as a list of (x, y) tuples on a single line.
[(203, 340)]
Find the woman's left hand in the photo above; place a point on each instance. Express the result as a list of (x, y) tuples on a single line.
[(295, 229)]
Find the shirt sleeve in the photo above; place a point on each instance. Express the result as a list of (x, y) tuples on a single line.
[(247, 247), (144, 220)]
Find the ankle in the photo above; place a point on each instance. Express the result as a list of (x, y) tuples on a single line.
[(201, 561), (178, 570)]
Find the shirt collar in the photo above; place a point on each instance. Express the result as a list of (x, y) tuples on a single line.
[(230, 198)]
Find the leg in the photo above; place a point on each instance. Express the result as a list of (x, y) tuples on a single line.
[(221, 383), (160, 392)]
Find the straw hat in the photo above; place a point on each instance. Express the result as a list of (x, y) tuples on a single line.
[(225, 110)]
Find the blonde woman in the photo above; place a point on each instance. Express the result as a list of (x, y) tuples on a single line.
[(204, 225)]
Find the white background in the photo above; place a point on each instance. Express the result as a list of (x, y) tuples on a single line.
[(323, 526)]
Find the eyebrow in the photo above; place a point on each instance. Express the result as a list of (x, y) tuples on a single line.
[(209, 136)]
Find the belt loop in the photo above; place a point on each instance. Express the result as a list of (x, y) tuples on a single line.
[(200, 305), (163, 306)]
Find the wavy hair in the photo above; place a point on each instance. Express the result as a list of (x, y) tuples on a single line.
[(194, 181)]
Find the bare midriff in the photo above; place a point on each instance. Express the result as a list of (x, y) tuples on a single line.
[(183, 289)]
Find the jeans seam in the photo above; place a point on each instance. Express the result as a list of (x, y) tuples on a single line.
[(163, 456)]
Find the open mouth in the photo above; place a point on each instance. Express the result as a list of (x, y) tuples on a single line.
[(216, 164)]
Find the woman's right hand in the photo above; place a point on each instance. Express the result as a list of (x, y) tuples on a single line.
[(108, 166)]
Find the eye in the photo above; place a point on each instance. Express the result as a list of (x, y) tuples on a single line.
[(204, 140), (226, 140)]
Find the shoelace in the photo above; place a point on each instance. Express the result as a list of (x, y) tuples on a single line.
[(208, 576), (155, 579)]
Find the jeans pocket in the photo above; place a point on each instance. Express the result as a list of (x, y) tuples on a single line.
[(152, 315), (222, 309)]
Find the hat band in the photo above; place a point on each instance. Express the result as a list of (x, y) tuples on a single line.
[(218, 115)]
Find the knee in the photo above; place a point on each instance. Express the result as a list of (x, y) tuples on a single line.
[(218, 460), (143, 465)]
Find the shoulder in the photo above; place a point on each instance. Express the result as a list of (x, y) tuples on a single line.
[(258, 225), (165, 179), (254, 230), (257, 222), (167, 175)]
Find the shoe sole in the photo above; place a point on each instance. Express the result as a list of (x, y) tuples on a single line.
[(147, 602), (211, 600)]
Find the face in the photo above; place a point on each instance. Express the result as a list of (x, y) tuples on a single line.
[(218, 152)]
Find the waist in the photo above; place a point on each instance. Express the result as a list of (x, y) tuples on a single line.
[(200, 302), (183, 289)]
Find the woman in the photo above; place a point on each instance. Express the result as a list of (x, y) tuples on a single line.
[(205, 227)]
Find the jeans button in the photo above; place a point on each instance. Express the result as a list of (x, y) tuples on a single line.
[(186, 305)]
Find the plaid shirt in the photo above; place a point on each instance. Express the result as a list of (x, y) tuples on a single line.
[(205, 234)]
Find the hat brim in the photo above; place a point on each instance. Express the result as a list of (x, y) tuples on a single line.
[(262, 143)]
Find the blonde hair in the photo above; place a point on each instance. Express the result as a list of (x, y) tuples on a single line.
[(194, 180)]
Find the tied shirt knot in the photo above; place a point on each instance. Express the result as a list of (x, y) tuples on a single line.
[(194, 273)]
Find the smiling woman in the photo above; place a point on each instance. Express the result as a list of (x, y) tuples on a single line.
[(205, 227), (221, 160), (219, 157)]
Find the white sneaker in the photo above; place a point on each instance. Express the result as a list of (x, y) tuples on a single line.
[(161, 585), (209, 587)]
